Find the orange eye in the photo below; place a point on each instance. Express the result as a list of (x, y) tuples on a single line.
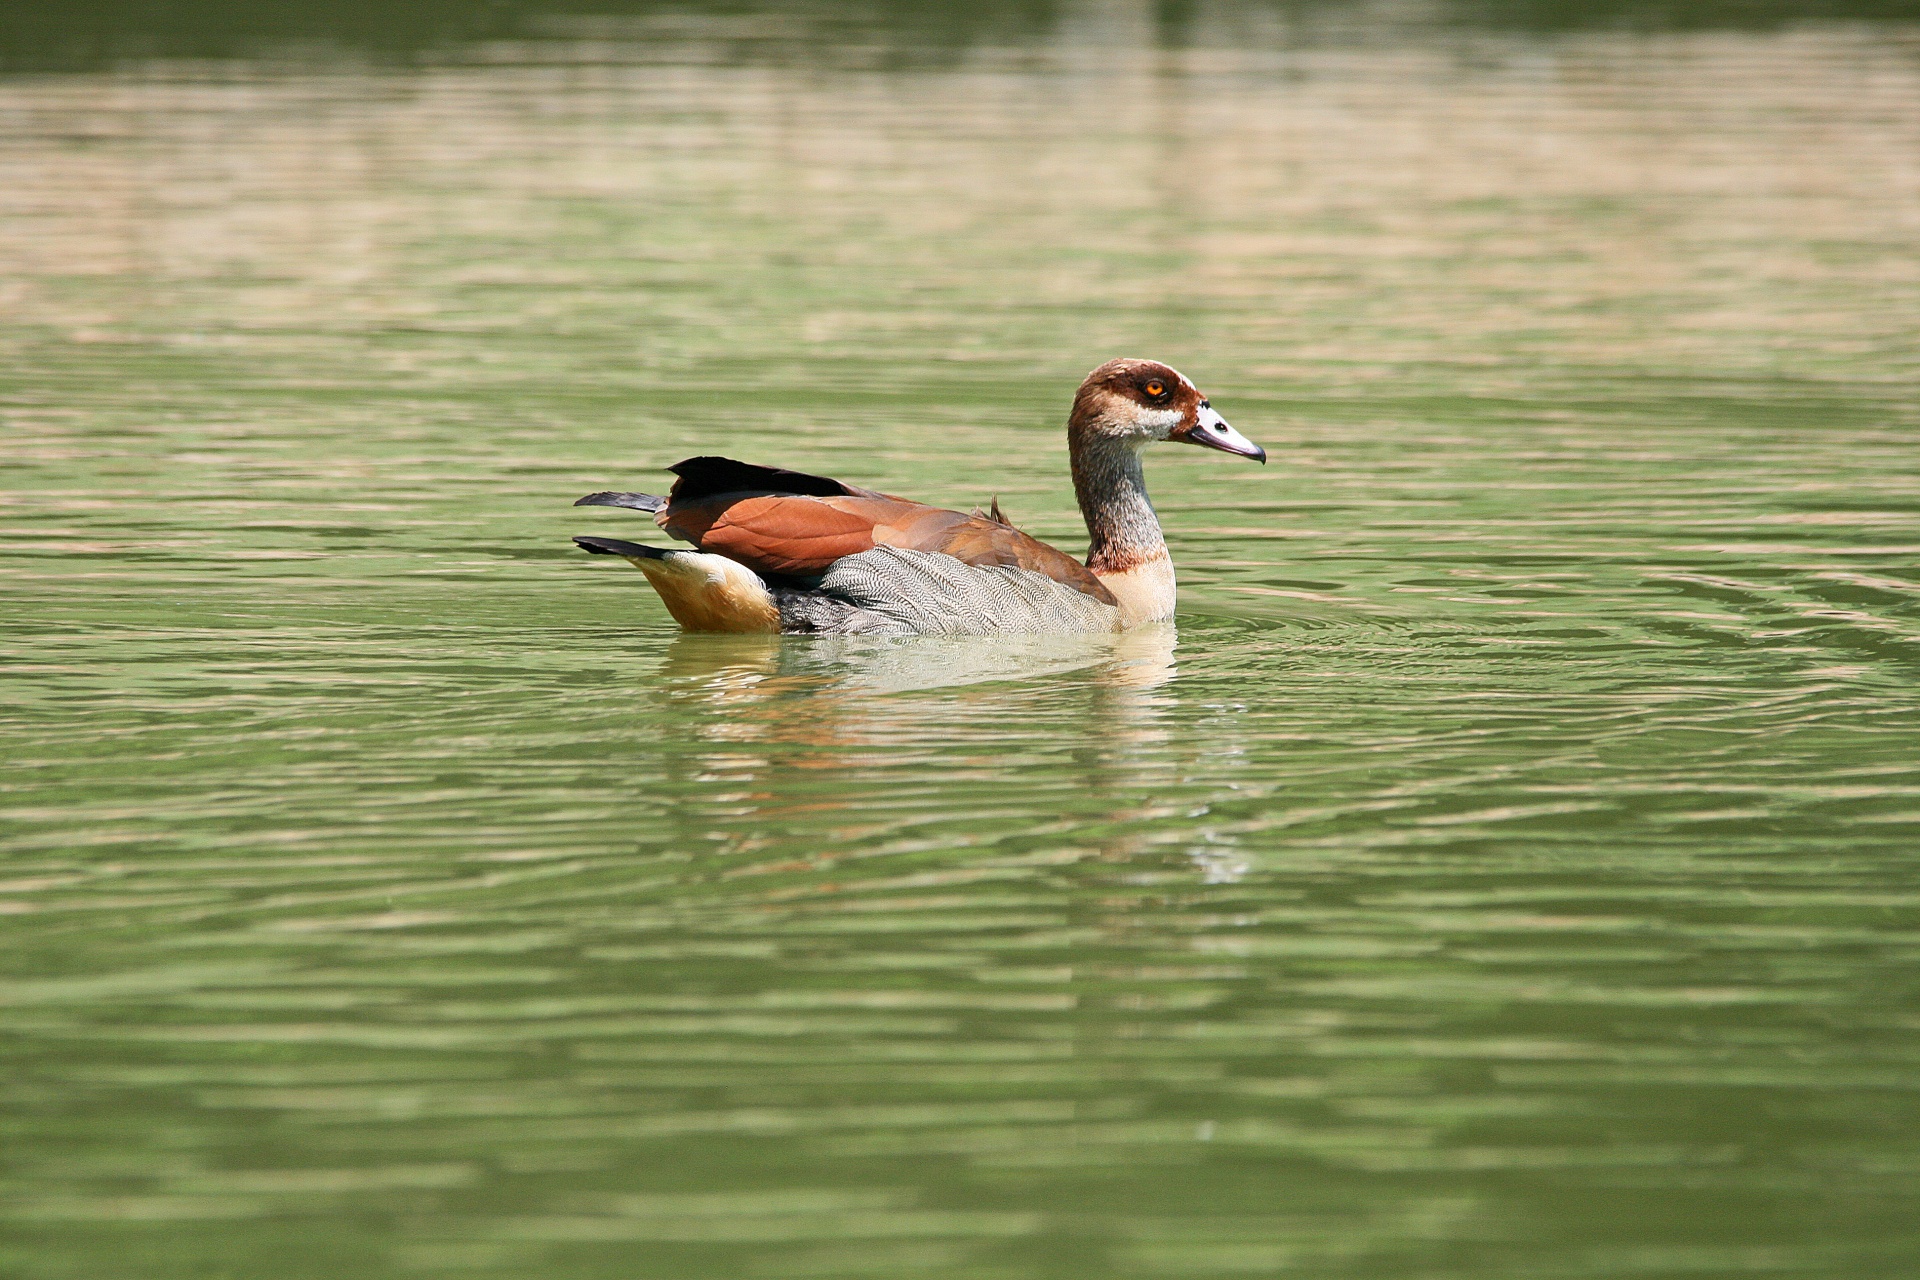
[(1156, 388)]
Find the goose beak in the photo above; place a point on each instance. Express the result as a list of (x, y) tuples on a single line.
[(1212, 431)]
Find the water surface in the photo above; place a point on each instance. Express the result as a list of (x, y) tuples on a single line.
[(1504, 868)]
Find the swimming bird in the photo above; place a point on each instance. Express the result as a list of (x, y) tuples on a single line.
[(783, 551)]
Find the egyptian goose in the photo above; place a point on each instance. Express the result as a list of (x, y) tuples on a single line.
[(781, 551)]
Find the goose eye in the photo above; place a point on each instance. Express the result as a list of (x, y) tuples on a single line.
[(1156, 388)]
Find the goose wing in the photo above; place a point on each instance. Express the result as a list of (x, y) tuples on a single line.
[(791, 524)]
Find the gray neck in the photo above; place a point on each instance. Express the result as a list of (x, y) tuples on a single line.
[(1122, 529)]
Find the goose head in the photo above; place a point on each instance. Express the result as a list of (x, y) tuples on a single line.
[(1135, 402)]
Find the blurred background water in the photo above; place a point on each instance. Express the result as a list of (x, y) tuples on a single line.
[(1504, 869)]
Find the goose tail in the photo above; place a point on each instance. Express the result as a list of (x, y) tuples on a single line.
[(620, 547), (632, 501), (702, 591)]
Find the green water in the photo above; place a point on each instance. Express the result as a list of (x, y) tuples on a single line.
[(1505, 869)]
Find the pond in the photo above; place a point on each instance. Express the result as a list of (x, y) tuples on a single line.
[(1504, 867)]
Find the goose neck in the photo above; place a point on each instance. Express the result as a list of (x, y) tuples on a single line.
[(1122, 530)]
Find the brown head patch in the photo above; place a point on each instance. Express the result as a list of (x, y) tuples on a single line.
[(1120, 392)]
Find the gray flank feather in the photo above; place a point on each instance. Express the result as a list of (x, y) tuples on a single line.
[(891, 591)]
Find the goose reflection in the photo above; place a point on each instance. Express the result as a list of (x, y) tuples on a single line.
[(844, 748), (931, 803), (744, 670), (849, 702)]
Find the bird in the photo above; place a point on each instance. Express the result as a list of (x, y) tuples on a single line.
[(779, 551)]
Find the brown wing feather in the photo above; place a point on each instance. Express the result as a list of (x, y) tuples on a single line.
[(801, 534), (789, 534)]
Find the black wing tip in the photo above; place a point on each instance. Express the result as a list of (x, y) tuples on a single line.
[(619, 547), (708, 475), (632, 501)]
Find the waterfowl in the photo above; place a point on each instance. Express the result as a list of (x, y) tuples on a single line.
[(783, 551)]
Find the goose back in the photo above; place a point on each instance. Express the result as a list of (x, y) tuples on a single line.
[(788, 524)]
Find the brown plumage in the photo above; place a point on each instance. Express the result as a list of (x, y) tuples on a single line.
[(753, 516)]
